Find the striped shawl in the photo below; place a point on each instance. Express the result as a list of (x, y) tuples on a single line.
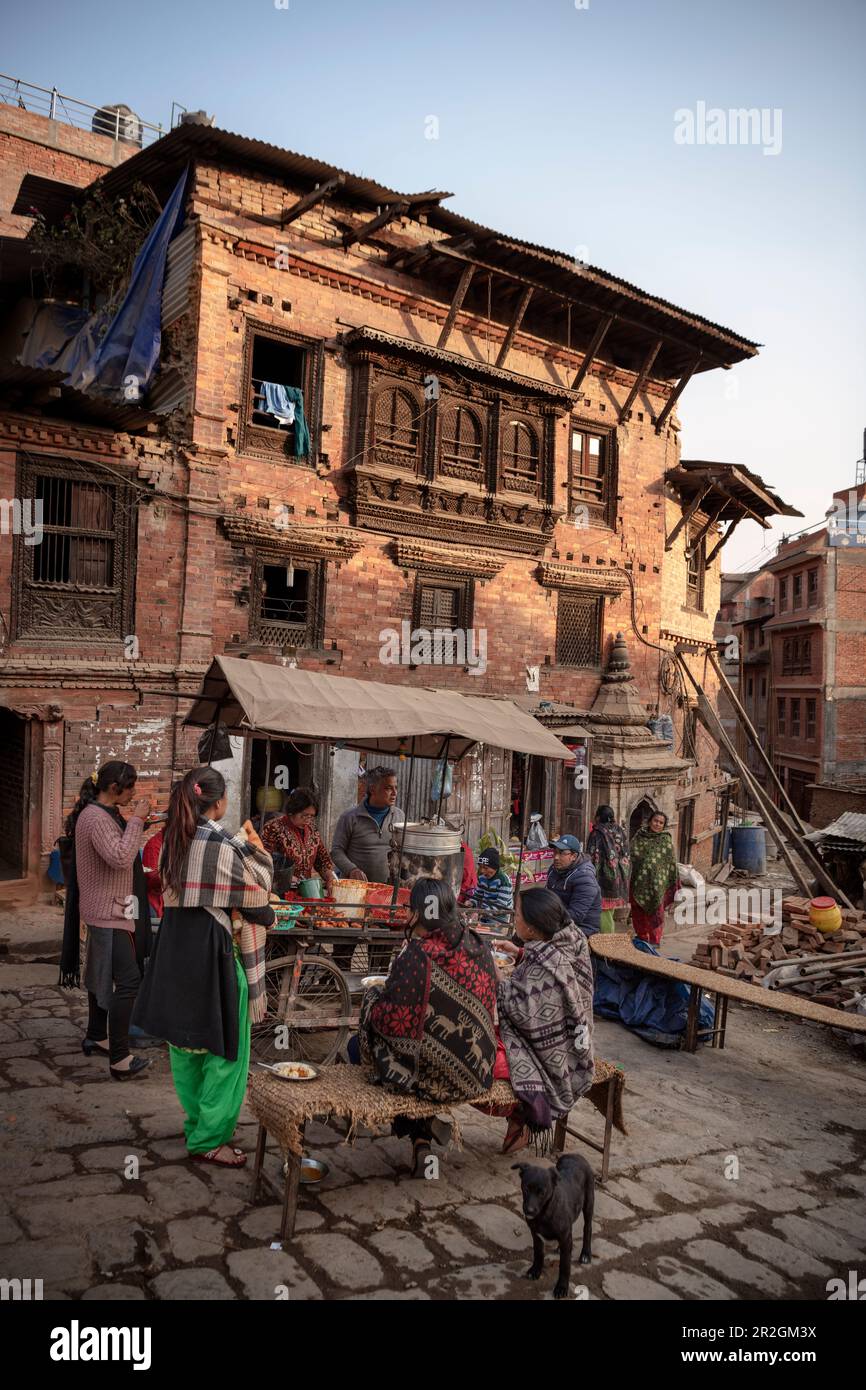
[(223, 873)]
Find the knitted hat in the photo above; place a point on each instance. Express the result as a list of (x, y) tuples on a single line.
[(489, 858)]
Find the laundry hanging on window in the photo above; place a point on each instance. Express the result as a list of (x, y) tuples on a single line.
[(286, 405)]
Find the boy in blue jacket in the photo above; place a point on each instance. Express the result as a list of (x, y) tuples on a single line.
[(494, 894)]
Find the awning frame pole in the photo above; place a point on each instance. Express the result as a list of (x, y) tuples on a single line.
[(526, 784), (267, 778), (399, 863), (443, 758)]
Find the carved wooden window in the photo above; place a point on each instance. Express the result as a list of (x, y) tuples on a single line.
[(695, 566), (795, 718), (811, 719), (578, 629), (397, 427), (76, 583), (286, 603), (812, 584), (274, 358), (796, 656), (520, 456), (591, 479), (797, 585), (783, 595), (442, 602), (461, 452), (780, 716)]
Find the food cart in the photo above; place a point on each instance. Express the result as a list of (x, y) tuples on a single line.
[(312, 1001)]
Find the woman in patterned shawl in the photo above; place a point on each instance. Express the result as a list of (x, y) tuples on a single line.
[(654, 878), (545, 1018), (429, 1030), (607, 847)]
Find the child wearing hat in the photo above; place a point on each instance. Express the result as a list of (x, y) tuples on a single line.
[(493, 894)]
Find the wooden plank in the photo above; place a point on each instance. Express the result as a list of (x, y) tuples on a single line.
[(368, 229), (456, 304), (678, 391), (686, 517), (641, 378), (309, 200), (520, 310), (732, 526), (592, 351)]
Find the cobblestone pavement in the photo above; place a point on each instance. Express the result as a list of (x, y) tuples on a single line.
[(783, 1103)]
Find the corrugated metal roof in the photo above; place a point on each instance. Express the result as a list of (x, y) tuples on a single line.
[(158, 164), (178, 275), (850, 826)]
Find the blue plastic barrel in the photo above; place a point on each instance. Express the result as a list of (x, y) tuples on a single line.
[(749, 848)]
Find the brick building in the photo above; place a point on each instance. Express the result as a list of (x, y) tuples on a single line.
[(493, 445)]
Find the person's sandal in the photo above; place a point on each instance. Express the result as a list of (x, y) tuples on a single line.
[(238, 1161), (516, 1137), (90, 1047)]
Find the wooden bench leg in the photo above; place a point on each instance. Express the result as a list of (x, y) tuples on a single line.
[(691, 1039), (724, 1024), (559, 1135), (608, 1129), (261, 1145), (290, 1191)]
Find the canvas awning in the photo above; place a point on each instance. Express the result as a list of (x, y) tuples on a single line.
[(253, 696)]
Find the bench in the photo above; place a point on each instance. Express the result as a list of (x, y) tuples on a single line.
[(620, 950), (346, 1093)]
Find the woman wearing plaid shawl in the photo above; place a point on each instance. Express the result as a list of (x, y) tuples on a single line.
[(205, 982)]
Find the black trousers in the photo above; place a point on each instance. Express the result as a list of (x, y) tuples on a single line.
[(113, 1023)]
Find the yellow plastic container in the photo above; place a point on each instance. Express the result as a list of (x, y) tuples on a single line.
[(825, 915)]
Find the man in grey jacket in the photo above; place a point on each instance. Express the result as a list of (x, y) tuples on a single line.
[(362, 837)]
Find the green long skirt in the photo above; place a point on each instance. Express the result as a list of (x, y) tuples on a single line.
[(210, 1088)]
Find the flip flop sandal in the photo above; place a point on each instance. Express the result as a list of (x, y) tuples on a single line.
[(211, 1157)]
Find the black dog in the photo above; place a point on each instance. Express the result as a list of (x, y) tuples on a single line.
[(552, 1201)]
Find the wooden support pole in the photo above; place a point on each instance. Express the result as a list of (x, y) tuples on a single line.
[(456, 304), (311, 199), (678, 391), (722, 541), (592, 351), (640, 378), (710, 522), (368, 229), (686, 517), (520, 310)]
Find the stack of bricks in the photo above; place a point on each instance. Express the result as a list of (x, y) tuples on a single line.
[(744, 950)]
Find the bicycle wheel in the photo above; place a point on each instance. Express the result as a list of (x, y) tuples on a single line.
[(308, 1012)]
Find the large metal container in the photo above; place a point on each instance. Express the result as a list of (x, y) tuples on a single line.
[(430, 851)]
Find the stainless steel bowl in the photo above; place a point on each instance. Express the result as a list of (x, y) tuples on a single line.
[(313, 1170)]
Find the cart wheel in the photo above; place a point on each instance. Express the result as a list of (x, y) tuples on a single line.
[(308, 1012)]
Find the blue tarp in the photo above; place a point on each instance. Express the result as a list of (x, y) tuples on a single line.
[(122, 359), (650, 1006)]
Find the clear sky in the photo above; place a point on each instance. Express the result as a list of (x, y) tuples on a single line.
[(556, 124)]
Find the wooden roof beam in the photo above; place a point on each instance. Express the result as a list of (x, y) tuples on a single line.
[(456, 304), (592, 351), (732, 526), (520, 309), (363, 232), (640, 378), (677, 392), (311, 199), (708, 524), (686, 517)]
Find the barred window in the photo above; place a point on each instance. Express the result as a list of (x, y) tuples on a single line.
[(520, 454), (780, 716), (442, 602), (286, 604), (695, 565), (812, 585), (795, 718), (590, 472), (811, 718), (77, 583), (396, 423), (462, 447), (578, 629), (797, 583)]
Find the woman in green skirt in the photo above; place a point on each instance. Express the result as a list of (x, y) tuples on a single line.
[(204, 984)]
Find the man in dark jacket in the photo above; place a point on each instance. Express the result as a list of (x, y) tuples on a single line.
[(573, 880)]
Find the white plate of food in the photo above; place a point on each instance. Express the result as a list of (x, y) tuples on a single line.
[(294, 1071)]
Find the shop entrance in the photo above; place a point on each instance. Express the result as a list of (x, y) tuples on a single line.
[(291, 766), (13, 803)]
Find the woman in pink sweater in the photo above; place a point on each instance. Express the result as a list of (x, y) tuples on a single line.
[(102, 892)]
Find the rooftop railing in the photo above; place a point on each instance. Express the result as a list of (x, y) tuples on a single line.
[(122, 125)]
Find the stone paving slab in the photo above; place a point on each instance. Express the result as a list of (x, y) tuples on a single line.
[(673, 1222)]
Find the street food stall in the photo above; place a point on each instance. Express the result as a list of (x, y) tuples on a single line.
[(312, 998)]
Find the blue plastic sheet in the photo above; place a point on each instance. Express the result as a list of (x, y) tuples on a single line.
[(121, 361), (648, 1005)]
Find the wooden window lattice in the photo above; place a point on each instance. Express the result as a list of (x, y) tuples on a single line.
[(578, 629), (520, 455), (396, 423), (462, 440)]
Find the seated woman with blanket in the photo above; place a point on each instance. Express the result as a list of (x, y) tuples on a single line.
[(545, 1018), (204, 985), (429, 1030)]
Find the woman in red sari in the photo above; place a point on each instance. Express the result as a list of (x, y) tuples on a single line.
[(294, 835)]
